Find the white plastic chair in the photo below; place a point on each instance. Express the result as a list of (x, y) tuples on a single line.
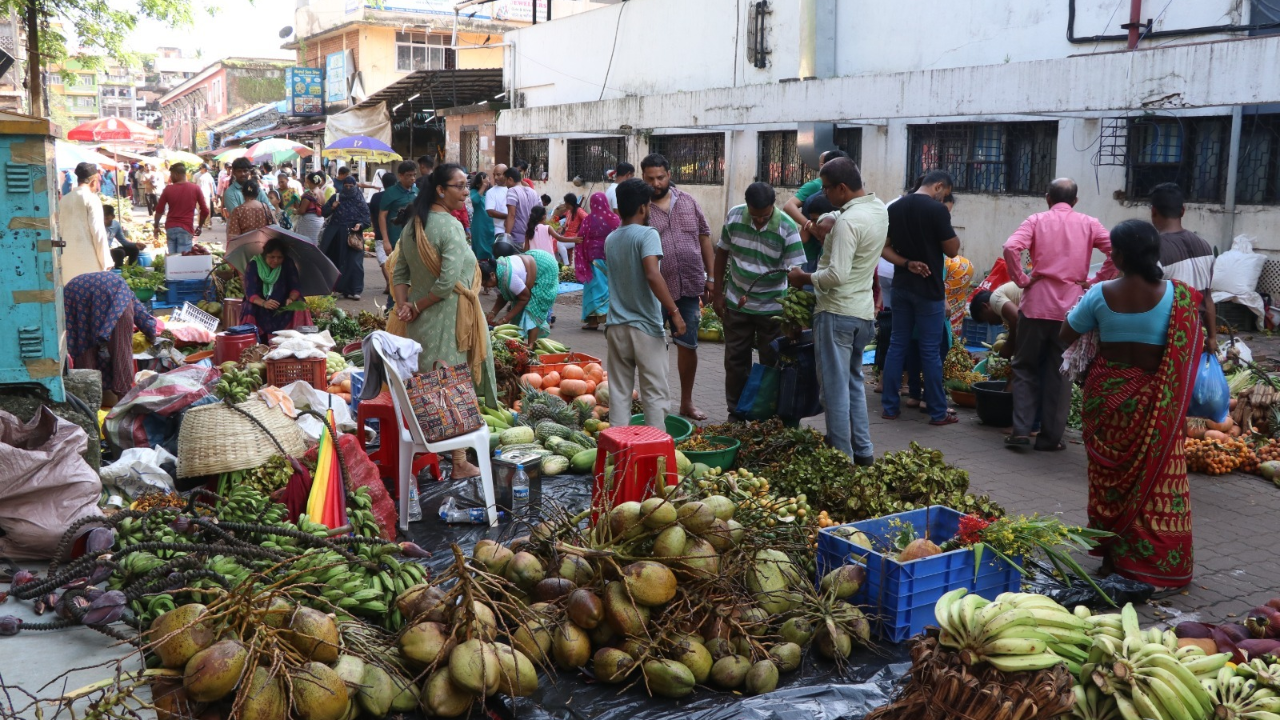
[(414, 442)]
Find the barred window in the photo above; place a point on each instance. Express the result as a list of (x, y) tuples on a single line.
[(534, 152), (590, 159), (695, 159), (1259, 178), (1191, 152), (779, 164), (1015, 158)]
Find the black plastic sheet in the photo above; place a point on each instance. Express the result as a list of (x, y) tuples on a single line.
[(1120, 589), (817, 691)]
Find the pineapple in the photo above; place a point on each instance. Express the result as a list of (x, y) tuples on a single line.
[(568, 417)]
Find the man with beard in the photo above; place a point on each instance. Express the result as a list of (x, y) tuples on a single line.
[(687, 256)]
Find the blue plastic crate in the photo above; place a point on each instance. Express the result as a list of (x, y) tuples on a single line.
[(899, 598), (977, 333), (180, 291)]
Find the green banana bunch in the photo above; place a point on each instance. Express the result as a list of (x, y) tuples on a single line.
[(1018, 632), (236, 385), (130, 531), (797, 307), (1237, 695), (1266, 673), (1146, 675)]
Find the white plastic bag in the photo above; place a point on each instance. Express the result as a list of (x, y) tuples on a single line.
[(138, 471), (306, 397), (1236, 273)]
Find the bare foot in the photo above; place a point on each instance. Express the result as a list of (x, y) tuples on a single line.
[(465, 471), (693, 413)]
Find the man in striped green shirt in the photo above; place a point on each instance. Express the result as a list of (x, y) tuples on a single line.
[(757, 239)]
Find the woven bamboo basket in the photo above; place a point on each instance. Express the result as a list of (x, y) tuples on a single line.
[(216, 439), (941, 687)]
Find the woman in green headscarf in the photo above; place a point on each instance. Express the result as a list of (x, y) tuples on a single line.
[(270, 283), (528, 281)]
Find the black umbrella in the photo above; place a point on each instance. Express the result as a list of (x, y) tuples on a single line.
[(316, 272)]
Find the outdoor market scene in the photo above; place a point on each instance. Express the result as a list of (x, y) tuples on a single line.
[(505, 385)]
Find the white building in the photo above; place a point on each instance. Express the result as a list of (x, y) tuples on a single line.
[(1006, 94)]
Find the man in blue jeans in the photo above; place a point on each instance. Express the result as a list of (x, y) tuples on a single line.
[(842, 319), (920, 233)]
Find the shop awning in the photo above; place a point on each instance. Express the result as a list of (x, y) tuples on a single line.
[(437, 89), (277, 131)]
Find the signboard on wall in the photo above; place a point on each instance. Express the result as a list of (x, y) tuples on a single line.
[(335, 77), (516, 10), (304, 91)]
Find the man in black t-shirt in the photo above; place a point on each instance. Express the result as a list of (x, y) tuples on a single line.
[(920, 233)]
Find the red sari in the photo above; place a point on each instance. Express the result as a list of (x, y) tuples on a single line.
[(1133, 431)]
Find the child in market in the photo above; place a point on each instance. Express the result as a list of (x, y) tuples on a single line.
[(638, 300)]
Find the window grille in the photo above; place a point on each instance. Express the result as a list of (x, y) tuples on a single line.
[(1017, 158), (423, 51), (779, 163), (1257, 182), (590, 159), (469, 150), (695, 159), (1190, 152), (534, 152), (757, 33)]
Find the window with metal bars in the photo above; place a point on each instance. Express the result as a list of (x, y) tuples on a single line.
[(469, 150), (1014, 158), (590, 159), (534, 152), (1191, 152), (778, 160), (695, 159), (1258, 182)]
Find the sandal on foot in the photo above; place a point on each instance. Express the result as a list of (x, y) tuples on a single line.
[(946, 420), (1017, 441)]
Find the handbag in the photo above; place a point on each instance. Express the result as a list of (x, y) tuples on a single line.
[(355, 241), (444, 402)]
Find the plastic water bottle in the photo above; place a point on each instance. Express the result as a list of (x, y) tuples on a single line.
[(519, 489), (415, 507), (451, 513)]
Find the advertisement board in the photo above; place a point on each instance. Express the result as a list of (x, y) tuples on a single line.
[(335, 77), (304, 91)]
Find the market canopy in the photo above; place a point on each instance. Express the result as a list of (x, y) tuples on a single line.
[(437, 89), (176, 156), (361, 147), (112, 128), (68, 155)]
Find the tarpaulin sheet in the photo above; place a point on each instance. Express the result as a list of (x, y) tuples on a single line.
[(372, 122), (817, 691)]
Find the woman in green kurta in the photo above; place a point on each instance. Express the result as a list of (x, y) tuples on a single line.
[(437, 283)]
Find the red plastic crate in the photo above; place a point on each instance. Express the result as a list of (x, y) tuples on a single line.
[(283, 372)]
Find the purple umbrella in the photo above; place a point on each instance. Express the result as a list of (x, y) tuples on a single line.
[(361, 147)]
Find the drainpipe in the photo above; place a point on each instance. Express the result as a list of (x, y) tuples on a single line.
[(728, 169), (1233, 170), (1134, 26)]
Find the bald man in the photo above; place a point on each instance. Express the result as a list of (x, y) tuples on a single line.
[(1060, 242), (495, 202)]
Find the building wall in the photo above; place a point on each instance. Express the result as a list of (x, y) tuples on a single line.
[(485, 125)]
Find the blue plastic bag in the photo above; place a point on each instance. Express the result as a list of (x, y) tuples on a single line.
[(759, 398), (1211, 398)]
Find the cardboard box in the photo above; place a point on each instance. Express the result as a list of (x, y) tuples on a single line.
[(187, 267)]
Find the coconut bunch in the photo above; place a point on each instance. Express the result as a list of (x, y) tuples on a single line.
[(668, 594)]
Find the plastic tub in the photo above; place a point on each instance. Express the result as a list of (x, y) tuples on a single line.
[(722, 459), (899, 597), (963, 399), (144, 294), (995, 402), (677, 427)]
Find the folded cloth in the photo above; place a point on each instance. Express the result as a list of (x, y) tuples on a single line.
[(274, 396), (383, 347)]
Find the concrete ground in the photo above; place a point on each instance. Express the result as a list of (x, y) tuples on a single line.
[(1233, 514)]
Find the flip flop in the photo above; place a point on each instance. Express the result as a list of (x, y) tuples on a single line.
[(1017, 441), (947, 420), (889, 416), (591, 328)]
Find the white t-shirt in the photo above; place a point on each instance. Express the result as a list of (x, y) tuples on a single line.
[(205, 180), (612, 194), (496, 199)]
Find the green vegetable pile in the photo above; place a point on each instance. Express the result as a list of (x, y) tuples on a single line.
[(140, 278), (1075, 420)]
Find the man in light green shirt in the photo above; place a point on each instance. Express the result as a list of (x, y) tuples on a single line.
[(842, 320)]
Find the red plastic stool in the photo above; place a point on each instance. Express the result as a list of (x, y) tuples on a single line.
[(635, 452), (387, 456)]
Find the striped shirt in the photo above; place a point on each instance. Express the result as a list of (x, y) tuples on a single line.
[(1186, 257), (753, 253)]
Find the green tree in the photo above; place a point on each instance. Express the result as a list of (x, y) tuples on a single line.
[(99, 27)]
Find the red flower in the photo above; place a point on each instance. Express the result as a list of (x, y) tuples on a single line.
[(971, 527)]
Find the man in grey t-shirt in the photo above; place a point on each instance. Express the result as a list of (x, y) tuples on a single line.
[(520, 200)]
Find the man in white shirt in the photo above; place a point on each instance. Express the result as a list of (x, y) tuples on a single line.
[(624, 172), (86, 249), (207, 186), (495, 202)]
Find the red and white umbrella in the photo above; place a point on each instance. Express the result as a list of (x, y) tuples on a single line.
[(277, 150), (112, 128)]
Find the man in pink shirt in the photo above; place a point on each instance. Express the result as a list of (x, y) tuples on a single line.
[(1061, 242), (180, 200)]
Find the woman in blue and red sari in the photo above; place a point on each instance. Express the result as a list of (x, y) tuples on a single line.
[(1135, 406), (589, 261), (270, 283)]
